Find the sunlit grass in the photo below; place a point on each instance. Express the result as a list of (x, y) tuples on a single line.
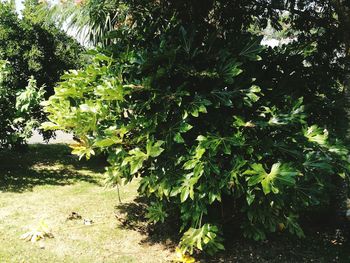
[(46, 184)]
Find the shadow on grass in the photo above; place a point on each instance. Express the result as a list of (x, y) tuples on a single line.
[(44, 165), (27, 179), (323, 243), (132, 216)]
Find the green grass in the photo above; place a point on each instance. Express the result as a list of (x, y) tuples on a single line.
[(47, 183)]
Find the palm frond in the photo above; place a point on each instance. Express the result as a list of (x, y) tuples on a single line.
[(90, 21)]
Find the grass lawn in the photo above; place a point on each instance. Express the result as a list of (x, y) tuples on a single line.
[(47, 184)]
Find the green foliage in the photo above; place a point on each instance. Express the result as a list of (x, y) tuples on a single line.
[(185, 103), (44, 52), (156, 213), (19, 112), (205, 238), (28, 107), (6, 104), (90, 20), (31, 50), (271, 179)]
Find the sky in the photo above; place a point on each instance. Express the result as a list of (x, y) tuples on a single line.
[(19, 5)]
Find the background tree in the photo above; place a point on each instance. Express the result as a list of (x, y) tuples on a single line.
[(31, 49)]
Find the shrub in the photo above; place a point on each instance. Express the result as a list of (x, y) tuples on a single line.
[(178, 103), (18, 112), (199, 137)]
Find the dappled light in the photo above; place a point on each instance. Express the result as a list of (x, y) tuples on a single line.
[(42, 165)]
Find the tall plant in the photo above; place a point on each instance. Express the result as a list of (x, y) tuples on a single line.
[(184, 99)]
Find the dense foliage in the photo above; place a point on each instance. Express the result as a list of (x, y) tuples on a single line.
[(30, 49), (20, 111), (219, 128)]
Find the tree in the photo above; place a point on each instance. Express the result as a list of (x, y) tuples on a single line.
[(30, 49), (219, 128), (326, 25)]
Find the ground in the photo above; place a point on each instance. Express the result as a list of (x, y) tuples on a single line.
[(46, 184)]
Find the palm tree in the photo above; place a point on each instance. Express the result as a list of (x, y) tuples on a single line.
[(90, 20)]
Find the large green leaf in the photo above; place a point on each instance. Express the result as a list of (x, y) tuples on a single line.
[(279, 175)]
